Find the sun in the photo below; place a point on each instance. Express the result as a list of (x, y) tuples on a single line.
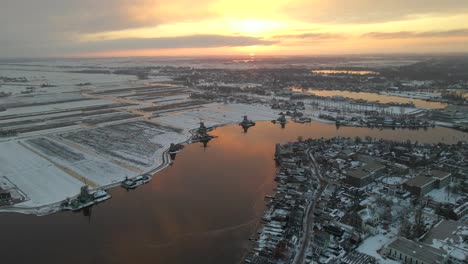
[(253, 26)]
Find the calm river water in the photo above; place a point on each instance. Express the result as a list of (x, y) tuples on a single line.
[(202, 209)]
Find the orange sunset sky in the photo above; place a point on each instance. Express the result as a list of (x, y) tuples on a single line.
[(223, 27)]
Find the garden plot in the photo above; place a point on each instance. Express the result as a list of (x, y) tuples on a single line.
[(55, 107), (137, 143), (54, 114), (35, 100), (158, 94), (170, 99), (95, 169), (174, 106), (118, 116), (64, 121), (49, 117), (38, 178), (130, 90), (55, 150)]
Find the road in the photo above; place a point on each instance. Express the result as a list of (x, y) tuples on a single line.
[(310, 217)]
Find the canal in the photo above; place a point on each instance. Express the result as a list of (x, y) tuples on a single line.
[(373, 97), (202, 209)]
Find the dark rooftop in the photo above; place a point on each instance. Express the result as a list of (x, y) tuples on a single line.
[(440, 174), (420, 181)]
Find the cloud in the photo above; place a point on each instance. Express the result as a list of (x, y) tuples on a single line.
[(39, 27), (311, 36), (181, 42), (412, 34), (194, 41), (34, 27), (370, 11), (87, 16)]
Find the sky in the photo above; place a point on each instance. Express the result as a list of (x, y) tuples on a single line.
[(75, 28)]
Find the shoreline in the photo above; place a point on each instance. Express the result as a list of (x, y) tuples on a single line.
[(52, 208), (55, 207)]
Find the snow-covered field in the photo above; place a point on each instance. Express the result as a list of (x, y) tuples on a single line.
[(96, 129), (41, 180), (49, 163), (49, 168), (53, 107), (216, 114)]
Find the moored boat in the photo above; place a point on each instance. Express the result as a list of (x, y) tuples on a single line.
[(137, 181), (86, 199)]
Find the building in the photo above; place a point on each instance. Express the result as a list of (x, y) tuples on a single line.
[(364, 219), (422, 184), (358, 177), (321, 240), (443, 178), (370, 220), (358, 258), (412, 252), (364, 175), (5, 196), (451, 237), (452, 112)]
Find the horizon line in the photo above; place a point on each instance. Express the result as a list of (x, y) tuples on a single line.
[(246, 55)]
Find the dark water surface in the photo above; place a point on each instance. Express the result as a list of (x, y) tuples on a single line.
[(202, 209)]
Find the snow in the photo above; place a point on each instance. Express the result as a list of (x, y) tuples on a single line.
[(54, 107), (40, 179), (393, 180), (48, 178), (415, 95), (70, 158), (372, 244), (96, 169), (442, 196), (216, 114)]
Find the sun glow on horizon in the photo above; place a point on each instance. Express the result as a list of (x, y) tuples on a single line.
[(272, 28)]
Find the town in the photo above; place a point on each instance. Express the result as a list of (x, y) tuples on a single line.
[(336, 199), (364, 200)]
